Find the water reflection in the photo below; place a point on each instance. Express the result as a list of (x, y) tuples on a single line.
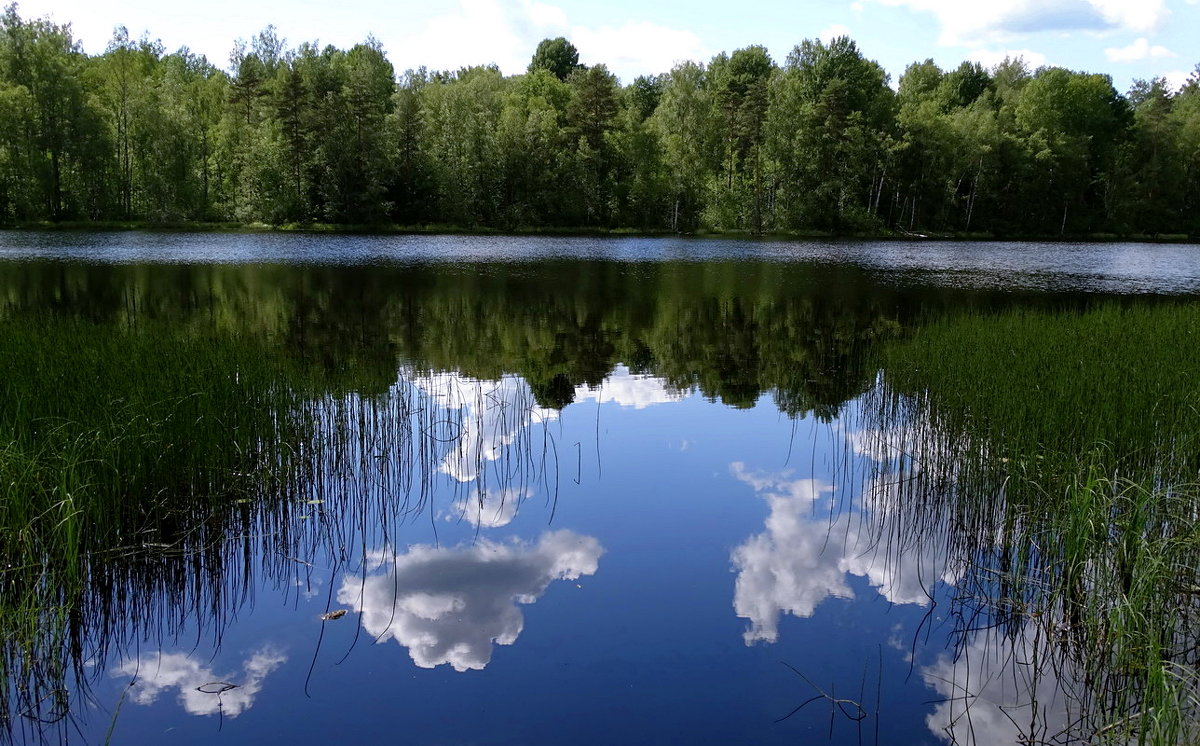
[(450, 606), (812, 544), (491, 508), (201, 690), (485, 420), (628, 389), (999, 690)]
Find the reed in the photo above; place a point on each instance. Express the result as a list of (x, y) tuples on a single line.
[(1059, 452)]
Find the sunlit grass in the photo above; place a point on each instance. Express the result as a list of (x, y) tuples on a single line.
[(1066, 446)]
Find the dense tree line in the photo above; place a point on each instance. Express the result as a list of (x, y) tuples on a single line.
[(309, 134)]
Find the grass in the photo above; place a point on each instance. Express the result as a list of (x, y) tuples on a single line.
[(117, 444), (1078, 435)]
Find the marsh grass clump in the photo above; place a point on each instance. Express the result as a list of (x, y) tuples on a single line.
[(1065, 449), (120, 446)]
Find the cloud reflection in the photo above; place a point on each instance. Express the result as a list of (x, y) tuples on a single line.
[(810, 547), (451, 605), (628, 389), (157, 673), (488, 418), (1000, 690), (490, 508)]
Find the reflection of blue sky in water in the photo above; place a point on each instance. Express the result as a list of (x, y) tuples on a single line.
[(160, 672), (493, 415), (811, 545), (451, 605)]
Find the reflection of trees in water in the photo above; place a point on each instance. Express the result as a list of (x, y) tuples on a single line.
[(372, 443), (734, 330)]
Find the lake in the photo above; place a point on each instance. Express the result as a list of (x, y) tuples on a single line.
[(501, 490)]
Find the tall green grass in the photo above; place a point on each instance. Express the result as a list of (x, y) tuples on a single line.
[(119, 445), (1060, 451)]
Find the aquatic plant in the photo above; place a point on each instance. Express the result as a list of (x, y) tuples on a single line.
[(1058, 452)]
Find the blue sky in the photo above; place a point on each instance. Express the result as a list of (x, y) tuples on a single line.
[(1126, 39)]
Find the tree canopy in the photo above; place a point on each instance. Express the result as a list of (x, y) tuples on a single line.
[(305, 134)]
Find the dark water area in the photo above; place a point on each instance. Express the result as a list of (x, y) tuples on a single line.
[(504, 490)]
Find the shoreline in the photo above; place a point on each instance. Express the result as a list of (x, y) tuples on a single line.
[(388, 229)]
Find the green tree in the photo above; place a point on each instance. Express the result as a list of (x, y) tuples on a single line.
[(688, 126), (829, 128), (558, 56)]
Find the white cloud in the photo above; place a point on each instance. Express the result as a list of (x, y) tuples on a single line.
[(832, 32), (480, 32), (809, 548), (157, 673), (637, 48), (629, 390), (1139, 50), (1176, 79), (966, 23), (483, 421), (491, 508), (451, 605), (506, 32), (990, 58)]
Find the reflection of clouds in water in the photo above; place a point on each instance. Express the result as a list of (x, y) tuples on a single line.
[(156, 673), (451, 605), (1003, 691), (629, 390), (490, 509), (492, 415), (806, 553)]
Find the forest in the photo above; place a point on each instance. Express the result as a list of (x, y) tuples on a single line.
[(307, 135)]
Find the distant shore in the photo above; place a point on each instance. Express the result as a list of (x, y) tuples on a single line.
[(445, 229)]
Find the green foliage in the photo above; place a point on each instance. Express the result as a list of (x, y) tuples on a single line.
[(1076, 432), (557, 56), (307, 135)]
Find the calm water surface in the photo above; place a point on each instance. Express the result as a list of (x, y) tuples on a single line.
[(584, 491)]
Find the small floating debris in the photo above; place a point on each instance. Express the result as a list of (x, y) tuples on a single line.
[(216, 687), (329, 616)]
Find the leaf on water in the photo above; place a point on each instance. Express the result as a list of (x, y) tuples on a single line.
[(216, 687), (329, 616), (313, 502)]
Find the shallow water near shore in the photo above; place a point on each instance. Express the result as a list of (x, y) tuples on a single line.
[(589, 490)]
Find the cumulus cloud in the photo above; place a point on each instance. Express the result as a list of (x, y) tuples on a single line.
[(1140, 49), (1177, 79), (637, 48), (809, 548), (157, 673), (977, 23), (481, 32), (450, 606), (991, 694), (629, 390)]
